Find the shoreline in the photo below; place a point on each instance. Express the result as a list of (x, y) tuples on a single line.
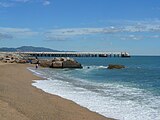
[(17, 95)]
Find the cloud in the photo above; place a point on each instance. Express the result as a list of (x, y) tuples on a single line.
[(5, 36), (139, 37), (6, 4), (156, 36), (11, 3), (131, 37), (23, 1), (142, 28), (61, 34), (73, 32), (16, 33), (46, 2), (134, 31)]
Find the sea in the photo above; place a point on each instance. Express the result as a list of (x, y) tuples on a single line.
[(132, 93)]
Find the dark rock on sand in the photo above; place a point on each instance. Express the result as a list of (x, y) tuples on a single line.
[(21, 61)]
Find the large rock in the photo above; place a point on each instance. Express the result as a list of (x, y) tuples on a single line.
[(114, 66), (71, 64), (57, 64), (60, 63), (35, 61), (21, 61), (45, 63), (1, 58), (59, 59), (12, 61)]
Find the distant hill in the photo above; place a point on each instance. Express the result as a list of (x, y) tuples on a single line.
[(27, 49)]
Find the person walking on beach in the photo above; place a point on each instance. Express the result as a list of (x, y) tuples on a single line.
[(36, 65)]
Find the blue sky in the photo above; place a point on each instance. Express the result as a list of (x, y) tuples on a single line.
[(82, 25)]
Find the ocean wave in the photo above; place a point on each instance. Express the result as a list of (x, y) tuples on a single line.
[(109, 106), (109, 99)]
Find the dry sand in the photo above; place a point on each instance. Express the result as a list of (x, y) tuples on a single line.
[(21, 101)]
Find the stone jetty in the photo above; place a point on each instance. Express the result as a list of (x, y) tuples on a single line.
[(61, 62)]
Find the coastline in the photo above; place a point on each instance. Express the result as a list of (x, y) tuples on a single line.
[(23, 101)]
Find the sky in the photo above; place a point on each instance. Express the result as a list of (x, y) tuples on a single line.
[(82, 25)]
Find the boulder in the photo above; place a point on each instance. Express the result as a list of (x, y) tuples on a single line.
[(4, 61), (60, 63), (21, 61), (31, 58), (12, 61), (57, 64), (1, 58), (34, 61), (59, 59), (45, 63), (114, 66), (71, 64)]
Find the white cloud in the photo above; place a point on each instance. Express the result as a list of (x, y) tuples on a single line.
[(11, 3), (133, 31), (46, 2), (142, 28), (16, 32), (73, 32), (5, 36), (155, 36), (132, 28), (131, 37), (21, 1), (5, 4)]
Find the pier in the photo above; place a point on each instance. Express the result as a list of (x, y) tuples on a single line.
[(75, 54)]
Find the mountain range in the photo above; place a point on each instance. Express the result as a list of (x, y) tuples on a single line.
[(28, 49)]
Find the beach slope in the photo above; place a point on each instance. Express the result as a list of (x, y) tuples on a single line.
[(21, 101)]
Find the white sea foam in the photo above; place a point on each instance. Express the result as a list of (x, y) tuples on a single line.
[(103, 67), (111, 100), (95, 67), (87, 69)]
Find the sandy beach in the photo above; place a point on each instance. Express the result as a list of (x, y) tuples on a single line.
[(19, 100)]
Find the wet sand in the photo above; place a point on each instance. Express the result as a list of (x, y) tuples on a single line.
[(19, 100)]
